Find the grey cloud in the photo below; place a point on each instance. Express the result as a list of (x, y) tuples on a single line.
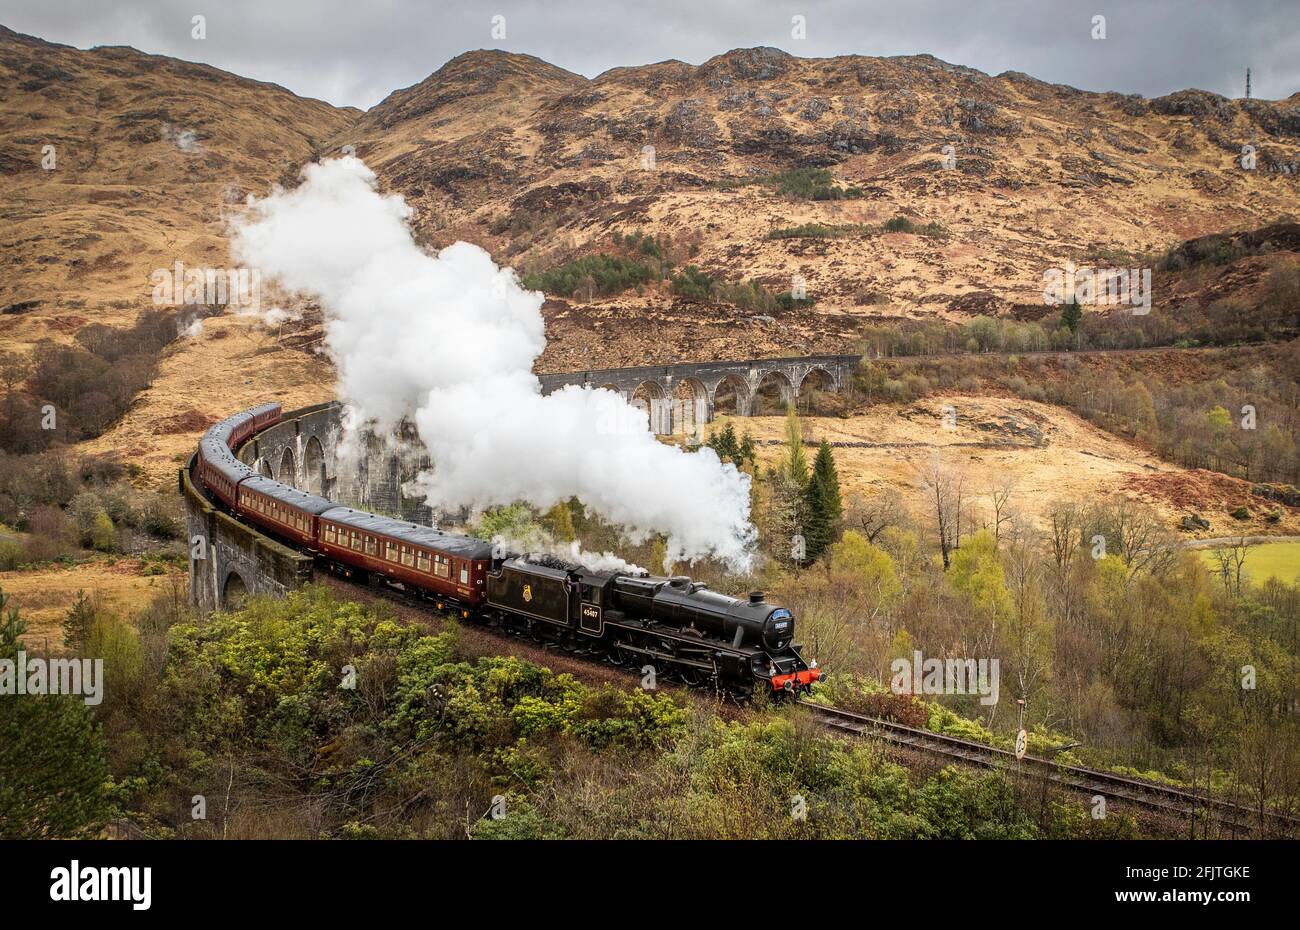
[(355, 53)]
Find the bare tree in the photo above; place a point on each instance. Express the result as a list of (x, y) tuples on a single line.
[(1027, 634), (1145, 543), (876, 514), (944, 487), (1002, 509), (1066, 528), (1231, 558)]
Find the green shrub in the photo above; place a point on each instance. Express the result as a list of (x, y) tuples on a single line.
[(692, 283), (904, 225), (11, 554), (594, 275), (811, 184), (821, 231), (160, 516), (103, 535)]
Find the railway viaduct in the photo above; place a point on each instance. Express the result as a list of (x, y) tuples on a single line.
[(680, 398), (229, 560)]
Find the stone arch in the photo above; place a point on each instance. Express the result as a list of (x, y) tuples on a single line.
[(234, 592), (287, 473), (649, 396), (772, 393), (313, 467), (612, 387), (690, 408), (263, 468), (815, 391), (731, 397)]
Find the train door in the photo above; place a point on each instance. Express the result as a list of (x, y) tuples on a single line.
[(591, 618)]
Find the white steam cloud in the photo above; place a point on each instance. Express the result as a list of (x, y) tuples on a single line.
[(450, 341)]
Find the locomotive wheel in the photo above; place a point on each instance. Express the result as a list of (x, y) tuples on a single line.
[(694, 677)]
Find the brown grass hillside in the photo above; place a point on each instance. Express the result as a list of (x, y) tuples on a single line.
[(540, 165)]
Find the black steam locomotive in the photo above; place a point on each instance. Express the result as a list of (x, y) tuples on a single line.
[(674, 625)]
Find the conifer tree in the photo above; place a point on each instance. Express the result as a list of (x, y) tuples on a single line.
[(747, 451), (823, 507), (78, 621), (796, 463), (724, 443), (1072, 315), (52, 769)]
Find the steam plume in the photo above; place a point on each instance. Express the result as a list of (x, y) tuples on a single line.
[(450, 342)]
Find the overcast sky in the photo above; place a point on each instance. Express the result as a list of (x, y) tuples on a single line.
[(354, 52)]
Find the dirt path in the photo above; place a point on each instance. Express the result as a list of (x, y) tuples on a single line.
[(1233, 540)]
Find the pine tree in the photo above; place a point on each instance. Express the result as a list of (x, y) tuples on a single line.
[(725, 444), (784, 519), (796, 463), (1072, 315), (52, 769), (822, 504), (747, 451), (78, 622)]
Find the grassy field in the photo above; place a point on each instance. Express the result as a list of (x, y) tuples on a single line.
[(1271, 560)]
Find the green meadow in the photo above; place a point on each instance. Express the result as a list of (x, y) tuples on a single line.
[(1270, 560)]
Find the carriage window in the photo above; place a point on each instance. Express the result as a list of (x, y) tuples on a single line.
[(370, 545), (407, 558), (329, 533), (464, 575), (442, 569), (356, 540), (422, 561), (390, 551)]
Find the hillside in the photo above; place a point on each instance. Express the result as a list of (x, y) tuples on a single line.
[(540, 165), (1042, 173)]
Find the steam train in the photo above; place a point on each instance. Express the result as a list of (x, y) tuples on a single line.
[(678, 627)]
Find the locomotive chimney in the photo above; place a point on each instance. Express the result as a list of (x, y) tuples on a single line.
[(756, 597)]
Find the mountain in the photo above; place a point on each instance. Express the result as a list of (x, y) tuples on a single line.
[(150, 155), (540, 166)]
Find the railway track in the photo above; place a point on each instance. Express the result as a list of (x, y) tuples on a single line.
[(1154, 797), (1157, 798)]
